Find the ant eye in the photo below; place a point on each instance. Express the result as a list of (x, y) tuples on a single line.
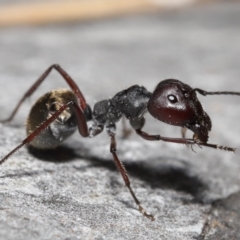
[(172, 98)]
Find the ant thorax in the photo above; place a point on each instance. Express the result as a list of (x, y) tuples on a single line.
[(131, 102)]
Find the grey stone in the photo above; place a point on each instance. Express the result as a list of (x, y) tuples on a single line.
[(75, 192)]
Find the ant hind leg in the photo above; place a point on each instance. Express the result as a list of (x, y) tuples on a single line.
[(81, 100)]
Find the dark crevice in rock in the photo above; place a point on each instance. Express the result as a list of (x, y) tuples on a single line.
[(223, 220)]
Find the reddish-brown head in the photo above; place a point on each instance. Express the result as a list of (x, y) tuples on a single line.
[(175, 103)]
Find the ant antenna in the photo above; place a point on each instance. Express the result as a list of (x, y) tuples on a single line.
[(205, 93)]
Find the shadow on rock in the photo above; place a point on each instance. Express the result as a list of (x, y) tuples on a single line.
[(169, 176), (164, 173), (57, 155)]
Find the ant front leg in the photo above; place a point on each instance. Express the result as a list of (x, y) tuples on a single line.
[(138, 124), (187, 141), (80, 98), (122, 170), (176, 103)]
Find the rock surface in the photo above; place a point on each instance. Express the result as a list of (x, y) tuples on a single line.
[(75, 192)]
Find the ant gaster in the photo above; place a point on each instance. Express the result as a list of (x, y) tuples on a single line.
[(57, 114)]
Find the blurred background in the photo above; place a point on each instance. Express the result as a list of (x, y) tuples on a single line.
[(45, 12)]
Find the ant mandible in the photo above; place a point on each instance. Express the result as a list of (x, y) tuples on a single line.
[(57, 114)]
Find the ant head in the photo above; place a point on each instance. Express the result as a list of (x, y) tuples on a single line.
[(176, 103)]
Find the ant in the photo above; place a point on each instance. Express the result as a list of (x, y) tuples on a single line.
[(57, 114)]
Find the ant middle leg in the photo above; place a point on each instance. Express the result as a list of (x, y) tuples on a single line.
[(183, 132), (126, 132), (80, 98), (122, 170)]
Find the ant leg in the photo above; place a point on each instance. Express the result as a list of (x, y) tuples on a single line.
[(183, 132), (81, 100), (123, 172), (187, 141), (95, 129), (82, 127), (125, 130)]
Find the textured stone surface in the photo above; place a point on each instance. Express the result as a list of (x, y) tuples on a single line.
[(75, 192)]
